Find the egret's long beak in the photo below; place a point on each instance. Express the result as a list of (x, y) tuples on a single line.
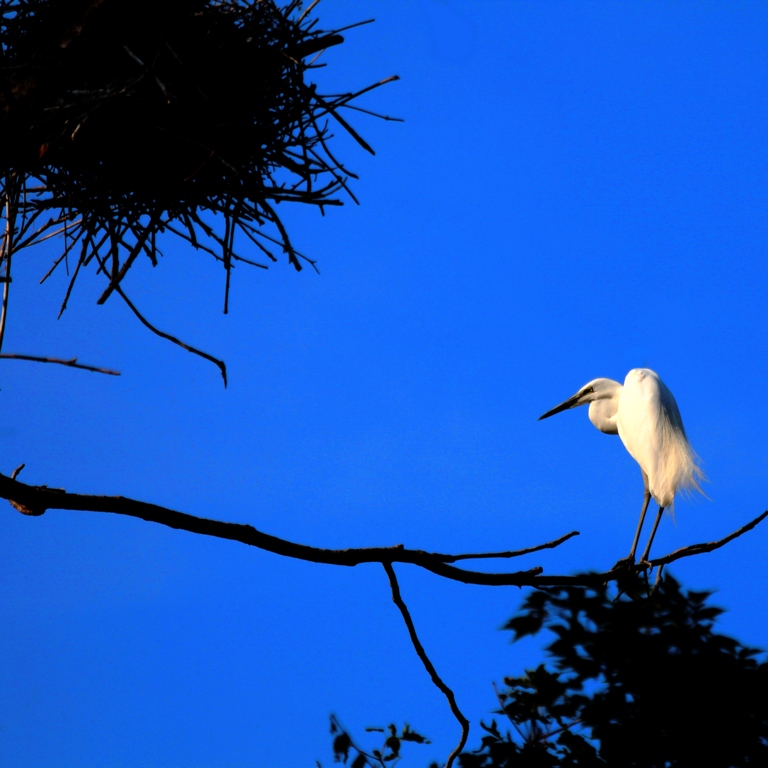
[(571, 402)]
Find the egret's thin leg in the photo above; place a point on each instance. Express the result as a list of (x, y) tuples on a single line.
[(647, 552), (646, 501)]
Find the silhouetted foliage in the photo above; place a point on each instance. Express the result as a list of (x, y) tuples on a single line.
[(640, 682), (386, 755)]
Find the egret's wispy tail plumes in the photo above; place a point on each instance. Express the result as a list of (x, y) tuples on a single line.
[(677, 466)]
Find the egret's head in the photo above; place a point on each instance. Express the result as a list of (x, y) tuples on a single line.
[(597, 389)]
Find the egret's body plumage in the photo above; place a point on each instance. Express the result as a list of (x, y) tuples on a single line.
[(652, 431), (644, 414)]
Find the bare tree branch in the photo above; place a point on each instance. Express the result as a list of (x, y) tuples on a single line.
[(11, 194), (511, 553), (425, 660), (38, 499), (698, 549), (134, 252), (162, 334), (69, 363)]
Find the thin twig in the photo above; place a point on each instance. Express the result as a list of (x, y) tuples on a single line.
[(140, 240), (425, 660), (11, 202), (69, 363), (344, 98), (335, 721), (194, 243), (513, 553), (81, 260), (29, 218), (38, 237), (219, 363), (505, 713), (67, 248), (229, 227), (370, 112), (307, 11), (698, 549), (344, 124), (265, 250), (331, 157), (352, 26)]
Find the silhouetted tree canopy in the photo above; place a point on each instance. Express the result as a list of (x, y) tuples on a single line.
[(641, 683)]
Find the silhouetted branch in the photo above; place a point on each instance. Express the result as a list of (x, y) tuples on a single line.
[(349, 742), (132, 254), (36, 500), (512, 553), (421, 653), (7, 248), (162, 334), (69, 363), (41, 498), (698, 549)]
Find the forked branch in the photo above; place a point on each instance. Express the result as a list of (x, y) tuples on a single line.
[(36, 500), (39, 499)]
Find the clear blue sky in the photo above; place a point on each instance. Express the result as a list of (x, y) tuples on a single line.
[(579, 189)]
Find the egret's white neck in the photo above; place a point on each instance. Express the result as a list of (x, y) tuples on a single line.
[(603, 410)]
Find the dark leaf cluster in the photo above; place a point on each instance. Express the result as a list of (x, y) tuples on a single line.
[(643, 682), (387, 754)]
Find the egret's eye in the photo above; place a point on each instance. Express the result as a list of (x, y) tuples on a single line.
[(588, 391)]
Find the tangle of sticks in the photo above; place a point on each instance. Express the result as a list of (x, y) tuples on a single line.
[(125, 120)]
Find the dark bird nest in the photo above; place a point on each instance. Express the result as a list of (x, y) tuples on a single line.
[(124, 119)]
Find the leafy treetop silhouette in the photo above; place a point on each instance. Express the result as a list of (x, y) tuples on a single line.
[(641, 682)]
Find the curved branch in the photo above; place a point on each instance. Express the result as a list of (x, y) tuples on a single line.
[(422, 654), (163, 335), (698, 549), (508, 554), (35, 500), (38, 499)]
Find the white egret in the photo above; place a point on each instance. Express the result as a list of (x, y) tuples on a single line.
[(644, 414)]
